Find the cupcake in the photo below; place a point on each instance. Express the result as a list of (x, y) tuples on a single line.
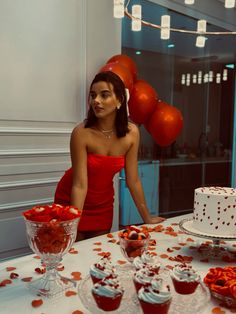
[(143, 277), (101, 269), (185, 279), (155, 297), (108, 293), (147, 259)]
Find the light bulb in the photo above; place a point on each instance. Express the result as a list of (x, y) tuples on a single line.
[(201, 26), (229, 4), (136, 23), (165, 27), (200, 41), (189, 1), (118, 8)]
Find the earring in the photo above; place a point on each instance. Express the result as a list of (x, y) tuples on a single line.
[(118, 106)]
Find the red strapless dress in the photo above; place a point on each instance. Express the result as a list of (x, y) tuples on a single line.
[(98, 206)]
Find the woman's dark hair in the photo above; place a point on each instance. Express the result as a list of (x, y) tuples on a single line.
[(121, 121)]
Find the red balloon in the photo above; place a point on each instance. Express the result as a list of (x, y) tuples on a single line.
[(165, 124), (121, 71), (127, 62), (142, 102)]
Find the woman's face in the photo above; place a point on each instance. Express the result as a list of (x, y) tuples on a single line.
[(102, 99)]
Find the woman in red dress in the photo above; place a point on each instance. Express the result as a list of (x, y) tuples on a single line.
[(100, 147)]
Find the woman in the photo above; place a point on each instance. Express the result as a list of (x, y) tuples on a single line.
[(100, 147)]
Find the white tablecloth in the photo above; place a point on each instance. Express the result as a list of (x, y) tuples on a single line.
[(15, 298)]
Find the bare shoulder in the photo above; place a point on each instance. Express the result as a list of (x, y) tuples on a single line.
[(79, 130), (134, 130)]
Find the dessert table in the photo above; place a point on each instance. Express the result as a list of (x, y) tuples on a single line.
[(171, 245)]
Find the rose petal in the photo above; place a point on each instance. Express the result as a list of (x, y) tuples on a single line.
[(10, 268), (37, 303), (70, 293)]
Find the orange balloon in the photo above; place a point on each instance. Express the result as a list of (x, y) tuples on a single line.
[(127, 62), (121, 71), (142, 102), (165, 124)]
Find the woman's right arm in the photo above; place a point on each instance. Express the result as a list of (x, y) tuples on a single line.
[(78, 151)]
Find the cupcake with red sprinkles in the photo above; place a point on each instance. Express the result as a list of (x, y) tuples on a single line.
[(108, 293), (185, 279)]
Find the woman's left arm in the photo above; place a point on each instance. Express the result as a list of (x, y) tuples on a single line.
[(133, 181)]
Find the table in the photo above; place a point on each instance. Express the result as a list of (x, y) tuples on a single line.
[(15, 297)]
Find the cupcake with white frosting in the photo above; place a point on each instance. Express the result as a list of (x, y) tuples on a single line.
[(185, 279), (108, 293), (143, 277), (155, 297), (101, 269), (147, 259)]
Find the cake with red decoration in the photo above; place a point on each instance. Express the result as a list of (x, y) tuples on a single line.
[(108, 293), (215, 210), (143, 277)]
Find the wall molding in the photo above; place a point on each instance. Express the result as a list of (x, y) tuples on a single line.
[(24, 205), (33, 152), (28, 183), (34, 131)]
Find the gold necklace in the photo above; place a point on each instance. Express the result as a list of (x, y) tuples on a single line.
[(107, 133)]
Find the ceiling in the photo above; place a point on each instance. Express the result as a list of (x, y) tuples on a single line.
[(221, 48)]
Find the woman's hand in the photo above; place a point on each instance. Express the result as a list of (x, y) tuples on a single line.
[(154, 220)]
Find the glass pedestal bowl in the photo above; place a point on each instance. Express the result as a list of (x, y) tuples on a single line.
[(51, 240), (133, 248)]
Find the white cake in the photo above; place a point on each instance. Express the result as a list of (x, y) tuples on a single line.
[(215, 211)]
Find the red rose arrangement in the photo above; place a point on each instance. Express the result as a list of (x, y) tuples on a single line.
[(51, 220), (222, 280)]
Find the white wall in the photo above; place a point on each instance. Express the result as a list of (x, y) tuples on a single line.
[(49, 52)]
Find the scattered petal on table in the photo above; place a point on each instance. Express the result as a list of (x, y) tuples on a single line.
[(164, 256), (169, 267), (176, 247), (190, 240), (121, 262), (37, 303), (174, 224), (70, 293), (151, 248), (14, 275), (39, 270), (204, 260), (112, 241), (27, 279), (37, 257), (60, 268), (191, 247), (152, 242), (98, 249), (159, 228), (110, 235), (73, 251), (5, 282), (107, 254), (181, 259), (217, 310), (10, 268), (97, 243), (182, 243), (77, 312), (171, 233), (169, 250), (76, 275)]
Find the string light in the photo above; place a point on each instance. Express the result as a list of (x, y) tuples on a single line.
[(137, 23), (207, 77)]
